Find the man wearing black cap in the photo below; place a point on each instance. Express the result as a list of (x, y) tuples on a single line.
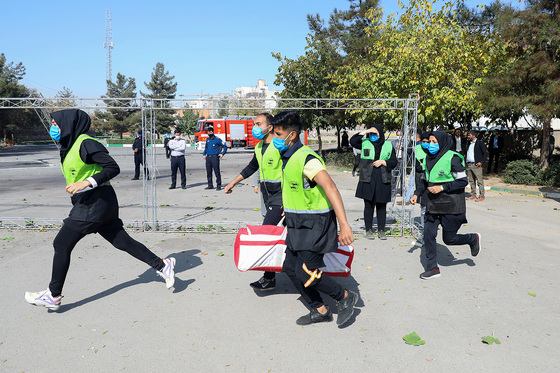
[(139, 157), (178, 147), (214, 150)]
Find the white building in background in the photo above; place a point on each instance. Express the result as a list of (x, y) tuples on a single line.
[(259, 92), (261, 95)]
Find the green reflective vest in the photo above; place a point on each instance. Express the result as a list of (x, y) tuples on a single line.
[(297, 194), (441, 172), (270, 163), (368, 150), (420, 155), (73, 168)]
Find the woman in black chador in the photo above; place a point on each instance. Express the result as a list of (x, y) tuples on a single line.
[(88, 167), (377, 159)]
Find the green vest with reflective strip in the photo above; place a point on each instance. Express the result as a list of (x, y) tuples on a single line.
[(270, 163), (297, 194), (441, 172), (386, 150), (420, 155), (73, 168)]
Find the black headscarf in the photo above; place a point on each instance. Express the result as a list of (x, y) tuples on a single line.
[(445, 143), (72, 123), (425, 135), (379, 143)]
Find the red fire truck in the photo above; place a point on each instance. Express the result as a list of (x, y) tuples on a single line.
[(234, 131)]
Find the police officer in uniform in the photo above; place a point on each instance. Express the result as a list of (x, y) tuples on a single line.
[(139, 157), (214, 150)]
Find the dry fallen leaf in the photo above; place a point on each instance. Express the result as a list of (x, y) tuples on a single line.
[(368, 267), (204, 253)]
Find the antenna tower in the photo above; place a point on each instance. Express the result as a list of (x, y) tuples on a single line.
[(108, 45)]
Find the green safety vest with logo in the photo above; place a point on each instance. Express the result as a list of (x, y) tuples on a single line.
[(441, 172), (310, 218), (298, 195), (368, 150), (73, 168), (444, 203), (368, 155), (420, 155), (270, 173)]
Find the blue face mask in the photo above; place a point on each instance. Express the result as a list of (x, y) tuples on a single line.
[(373, 138), (55, 133), (425, 145), (280, 144), (257, 133), (433, 148)]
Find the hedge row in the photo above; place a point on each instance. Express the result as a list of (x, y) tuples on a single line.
[(528, 172)]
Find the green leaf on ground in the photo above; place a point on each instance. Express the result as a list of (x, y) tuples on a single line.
[(533, 294), (490, 340), (8, 238), (209, 208), (221, 253), (413, 339), (256, 209)]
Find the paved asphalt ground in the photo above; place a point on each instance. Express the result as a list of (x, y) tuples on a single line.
[(118, 316)]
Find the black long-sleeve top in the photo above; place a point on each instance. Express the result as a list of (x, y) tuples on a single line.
[(91, 152)]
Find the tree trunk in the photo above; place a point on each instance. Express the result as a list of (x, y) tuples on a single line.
[(320, 141), (338, 147), (120, 133), (545, 144)]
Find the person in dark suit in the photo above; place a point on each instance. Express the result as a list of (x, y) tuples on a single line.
[(459, 142), (476, 155), (139, 157), (495, 148)]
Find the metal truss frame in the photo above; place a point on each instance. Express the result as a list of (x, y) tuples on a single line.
[(403, 215)]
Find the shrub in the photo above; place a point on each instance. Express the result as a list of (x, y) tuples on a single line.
[(344, 160), (522, 171), (550, 176)]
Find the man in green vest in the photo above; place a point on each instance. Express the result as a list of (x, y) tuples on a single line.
[(267, 161), (312, 206)]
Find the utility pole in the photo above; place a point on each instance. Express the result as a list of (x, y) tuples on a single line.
[(108, 45)]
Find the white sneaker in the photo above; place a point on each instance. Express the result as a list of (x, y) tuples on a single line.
[(44, 298), (168, 272)]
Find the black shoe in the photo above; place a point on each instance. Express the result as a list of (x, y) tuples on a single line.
[(172, 187), (135, 178), (264, 284), (432, 273), (218, 188), (208, 188), (475, 248), (314, 317), (346, 307)]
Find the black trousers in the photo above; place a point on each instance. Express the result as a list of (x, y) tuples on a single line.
[(66, 240), (381, 208), (450, 225), (178, 163), (272, 217), (213, 163), (493, 156), (356, 163), (137, 162), (302, 269)]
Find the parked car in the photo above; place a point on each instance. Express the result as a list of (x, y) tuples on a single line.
[(479, 128), (498, 128)]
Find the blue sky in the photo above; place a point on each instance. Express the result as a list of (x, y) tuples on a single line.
[(209, 46)]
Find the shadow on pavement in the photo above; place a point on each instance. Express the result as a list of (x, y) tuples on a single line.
[(185, 260)]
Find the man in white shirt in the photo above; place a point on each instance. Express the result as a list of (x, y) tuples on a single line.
[(476, 155), (178, 147)]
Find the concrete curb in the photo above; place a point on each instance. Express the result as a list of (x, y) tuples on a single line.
[(530, 192)]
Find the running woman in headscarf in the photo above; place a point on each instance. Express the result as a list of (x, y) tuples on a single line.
[(88, 167), (374, 187), (445, 181)]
